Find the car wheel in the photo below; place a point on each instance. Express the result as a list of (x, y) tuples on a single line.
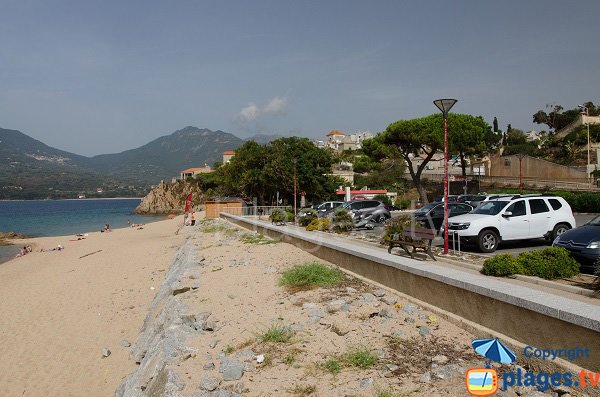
[(380, 218), (559, 229), (488, 241)]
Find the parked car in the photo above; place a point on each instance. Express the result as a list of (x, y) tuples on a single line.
[(487, 197), (365, 213), (471, 199), (432, 214), (370, 213), (322, 207), (583, 243), (451, 199), (519, 217)]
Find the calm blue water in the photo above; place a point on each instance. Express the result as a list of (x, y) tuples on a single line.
[(65, 217)]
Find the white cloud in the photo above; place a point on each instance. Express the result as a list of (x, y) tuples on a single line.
[(249, 113), (275, 106)]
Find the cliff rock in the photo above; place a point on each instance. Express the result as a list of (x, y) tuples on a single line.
[(169, 198)]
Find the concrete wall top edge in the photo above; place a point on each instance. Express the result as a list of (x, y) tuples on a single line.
[(556, 306)]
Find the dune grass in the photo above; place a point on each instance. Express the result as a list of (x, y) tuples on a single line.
[(311, 275), (277, 334)]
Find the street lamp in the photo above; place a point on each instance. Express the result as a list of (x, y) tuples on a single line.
[(585, 110), (295, 209), (445, 105)]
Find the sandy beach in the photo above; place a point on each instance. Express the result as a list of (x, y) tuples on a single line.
[(60, 309)]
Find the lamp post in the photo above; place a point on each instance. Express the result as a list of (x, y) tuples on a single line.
[(585, 110), (520, 156), (295, 209), (445, 105)]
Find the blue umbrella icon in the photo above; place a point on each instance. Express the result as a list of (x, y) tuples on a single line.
[(494, 350)]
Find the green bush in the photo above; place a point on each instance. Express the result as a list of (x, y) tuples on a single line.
[(402, 203), (305, 220), (550, 263), (290, 216), (502, 265), (383, 198), (321, 224), (278, 216), (341, 221)]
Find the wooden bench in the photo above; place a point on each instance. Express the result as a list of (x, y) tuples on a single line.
[(421, 239)]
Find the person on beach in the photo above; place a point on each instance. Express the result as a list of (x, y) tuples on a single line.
[(106, 228)]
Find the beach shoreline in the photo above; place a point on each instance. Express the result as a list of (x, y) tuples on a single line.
[(62, 308)]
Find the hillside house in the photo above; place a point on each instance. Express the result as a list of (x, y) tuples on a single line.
[(227, 156), (192, 172)]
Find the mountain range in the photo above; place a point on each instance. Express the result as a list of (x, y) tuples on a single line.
[(31, 169)]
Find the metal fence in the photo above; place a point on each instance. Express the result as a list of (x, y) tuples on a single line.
[(257, 210)]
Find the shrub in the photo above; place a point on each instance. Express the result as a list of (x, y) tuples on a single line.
[(383, 198), (341, 221), (402, 202), (395, 227), (290, 216), (502, 265), (278, 216), (308, 217), (549, 263), (321, 224), (311, 275)]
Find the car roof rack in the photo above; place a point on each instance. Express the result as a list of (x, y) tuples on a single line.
[(516, 196)]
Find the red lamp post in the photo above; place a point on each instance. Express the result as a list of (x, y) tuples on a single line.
[(445, 105), (295, 208)]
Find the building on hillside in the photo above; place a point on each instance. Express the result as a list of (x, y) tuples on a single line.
[(192, 172), (344, 170), (227, 156), (435, 166), (339, 141)]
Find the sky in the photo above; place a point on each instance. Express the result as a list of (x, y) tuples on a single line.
[(94, 77)]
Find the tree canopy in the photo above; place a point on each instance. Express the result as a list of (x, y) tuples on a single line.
[(260, 171), (467, 136)]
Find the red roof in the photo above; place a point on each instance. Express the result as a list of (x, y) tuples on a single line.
[(195, 169), (335, 132), (231, 153), (362, 192)]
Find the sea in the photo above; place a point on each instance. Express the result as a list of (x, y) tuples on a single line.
[(42, 218)]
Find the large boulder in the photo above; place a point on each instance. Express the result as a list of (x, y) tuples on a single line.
[(169, 198)]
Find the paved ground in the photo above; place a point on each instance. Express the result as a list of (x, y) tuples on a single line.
[(518, 246)]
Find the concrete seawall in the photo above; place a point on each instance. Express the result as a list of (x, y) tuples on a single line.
[(526, 315)]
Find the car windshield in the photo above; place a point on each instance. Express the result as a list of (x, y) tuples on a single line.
[(594, 222), (323, 206), (424, 209), (490, 207)]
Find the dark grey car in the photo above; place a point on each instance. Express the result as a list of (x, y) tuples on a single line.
[(583, 243)]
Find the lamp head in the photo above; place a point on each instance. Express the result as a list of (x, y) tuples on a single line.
[(444, 105)]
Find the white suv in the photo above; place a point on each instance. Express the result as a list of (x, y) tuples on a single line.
[(513, 218)]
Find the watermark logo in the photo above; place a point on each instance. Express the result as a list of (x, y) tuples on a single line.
[(485, 381), (482, 381)]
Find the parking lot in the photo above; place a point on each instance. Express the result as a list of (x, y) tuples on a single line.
[(512, 247)]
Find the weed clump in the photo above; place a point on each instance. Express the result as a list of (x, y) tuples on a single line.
[(311, 275)]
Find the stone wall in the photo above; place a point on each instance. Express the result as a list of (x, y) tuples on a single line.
[(161, 344)]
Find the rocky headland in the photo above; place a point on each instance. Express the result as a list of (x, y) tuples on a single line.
[(169, 198)]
